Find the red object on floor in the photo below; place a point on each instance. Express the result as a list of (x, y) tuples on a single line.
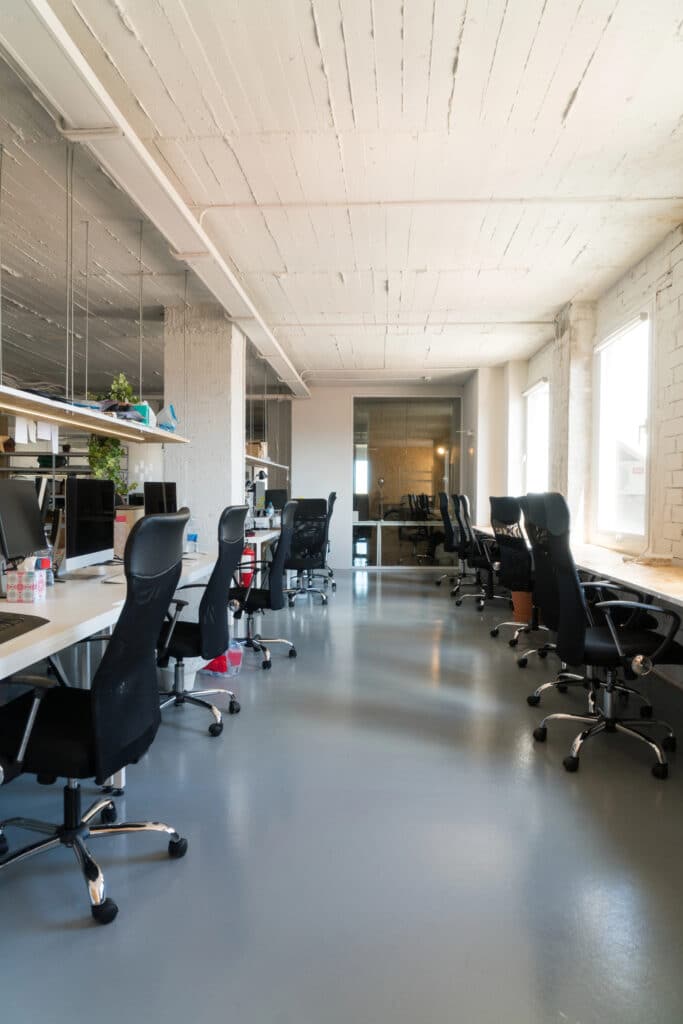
[(219, 664)]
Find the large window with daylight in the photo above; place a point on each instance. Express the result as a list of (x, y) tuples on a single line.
[(622, 418), (537, 437)]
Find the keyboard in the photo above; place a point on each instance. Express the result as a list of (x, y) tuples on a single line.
[(13, 625)]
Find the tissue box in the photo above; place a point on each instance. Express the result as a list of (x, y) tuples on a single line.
[(26, 587)]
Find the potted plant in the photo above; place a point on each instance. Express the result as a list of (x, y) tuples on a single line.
[(104, 453)]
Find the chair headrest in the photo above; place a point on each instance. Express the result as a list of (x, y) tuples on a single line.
[(505, 510), (231, 523), (556, 514), (155, 544)]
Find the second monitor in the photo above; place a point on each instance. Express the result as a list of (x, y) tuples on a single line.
[(160, 497)]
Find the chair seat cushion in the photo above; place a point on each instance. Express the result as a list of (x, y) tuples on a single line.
[(600, 649), (62, 741), (186, 641)]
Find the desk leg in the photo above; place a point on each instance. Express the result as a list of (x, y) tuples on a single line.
[(378, 546)]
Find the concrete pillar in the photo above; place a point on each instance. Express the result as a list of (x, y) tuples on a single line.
[(571, 412), (204, 378)]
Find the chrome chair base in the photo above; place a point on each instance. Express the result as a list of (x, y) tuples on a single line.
[(303, 587), (76, 829), (261, 645), (606, 720), (179, 696)]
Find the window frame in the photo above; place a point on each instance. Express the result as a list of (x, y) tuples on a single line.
[(542, 384), (628, 543)]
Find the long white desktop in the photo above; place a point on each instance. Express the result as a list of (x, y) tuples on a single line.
[(77, 609)]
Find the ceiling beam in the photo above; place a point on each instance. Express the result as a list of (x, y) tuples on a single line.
[(48, 58)]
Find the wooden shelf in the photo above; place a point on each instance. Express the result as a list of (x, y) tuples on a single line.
[(265, 462), (35, 407)]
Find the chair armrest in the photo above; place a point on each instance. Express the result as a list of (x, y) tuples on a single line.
[(172, 620), (40, 686), (617, 588), (675, 625), (39, 682)]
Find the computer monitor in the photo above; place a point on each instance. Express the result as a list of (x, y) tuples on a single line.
[(277, 496), (21, 526), (89, 523), (160, 497)]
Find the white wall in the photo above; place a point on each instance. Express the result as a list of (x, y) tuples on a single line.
[(514, 384), (322, 450), (322, 460)]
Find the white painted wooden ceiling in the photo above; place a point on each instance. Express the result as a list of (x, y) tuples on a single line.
[(407, 187)]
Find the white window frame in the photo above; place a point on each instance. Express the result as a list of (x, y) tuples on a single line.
[(542, 384), (629, 543)]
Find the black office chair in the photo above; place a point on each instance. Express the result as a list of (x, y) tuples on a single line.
[(327, 574), (209, 637), (62, 732), (308, 550), (482, 553), (419, 512), (607, 648), (463, 548), (270, 596), (515, 569), (449, 541)]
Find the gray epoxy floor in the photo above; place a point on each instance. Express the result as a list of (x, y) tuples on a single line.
[(376, 838)]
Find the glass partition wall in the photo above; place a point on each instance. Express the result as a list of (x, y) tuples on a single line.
[(405, 451)]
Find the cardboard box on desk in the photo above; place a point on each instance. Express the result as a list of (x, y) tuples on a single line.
[(26, 587)]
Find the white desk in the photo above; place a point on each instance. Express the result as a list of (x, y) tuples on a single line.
[(661, 581), (77, 609)]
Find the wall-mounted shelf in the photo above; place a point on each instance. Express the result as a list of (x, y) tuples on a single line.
[(35, 407), (265, 462)]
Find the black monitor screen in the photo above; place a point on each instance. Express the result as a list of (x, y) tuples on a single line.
[(160, 497), (89, 516), (21, 528), (276, 496)]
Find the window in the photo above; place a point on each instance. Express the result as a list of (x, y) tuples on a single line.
[(622, 421), (537, 437)]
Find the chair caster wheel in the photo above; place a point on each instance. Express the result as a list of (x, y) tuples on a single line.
[(458, 602), (177, 848), (234, 707), (669, 743), (513, 642), (561, 687), (266, 665), (291, 604), (108, 815), (4, 846), (646, 711), (543, 654), (494, 632), (660, 771), (324, 600), (480, 606), (540, 733), (533, 700), (215, 729), (104, 912), (522, 662), (292, 652), (437, 583), (571, 764), (334, 586)]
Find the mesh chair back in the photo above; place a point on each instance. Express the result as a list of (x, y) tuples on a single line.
[(309, 545), (331, 501), (125, 697), (449, 534), (462, 544), (573, 611), (546, 596), (276, 569), (213, 608), (514, 554)]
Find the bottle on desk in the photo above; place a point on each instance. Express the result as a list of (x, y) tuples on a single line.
[(192, 537)]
